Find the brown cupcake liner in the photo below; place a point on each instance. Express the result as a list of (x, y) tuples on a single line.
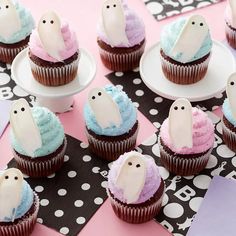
[(111, 150), (230, 35), (25, 226), (229, 137), (184, 74), (35, 168), (55, 76), (135, 214), (121, 61)]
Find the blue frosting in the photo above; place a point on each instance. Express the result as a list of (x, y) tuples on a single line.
[(51, 130), (27, 25), (228, 113), (170, 34), (127, 110)]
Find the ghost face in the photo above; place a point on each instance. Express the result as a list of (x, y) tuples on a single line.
[(11, 177), (112, 6), (50, 20), (197, 23), (96, 95), (6, 6)]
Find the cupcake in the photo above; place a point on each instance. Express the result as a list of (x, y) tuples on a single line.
[(53, 51), (111, 122), (18, 203), (230, 23), (135, 188), (185, 50), (229, 114), (37, 138), (15, 32), (121, 36), (186, 139)]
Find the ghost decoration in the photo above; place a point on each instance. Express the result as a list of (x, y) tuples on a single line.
[(9, 18), (190, 39), (105, 109), (113, 19), (131, 177), (24, 128), (180, 123), (11, 184), (231, 93), (49, 30), (232, 7)]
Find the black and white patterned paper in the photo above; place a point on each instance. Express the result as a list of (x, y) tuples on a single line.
[(162, 9)]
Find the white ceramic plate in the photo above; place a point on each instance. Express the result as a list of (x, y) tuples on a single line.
[(222, 64), (22, 75)]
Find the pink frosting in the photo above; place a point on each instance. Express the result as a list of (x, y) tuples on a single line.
[(229, 16), (70, 40), (203, 134)]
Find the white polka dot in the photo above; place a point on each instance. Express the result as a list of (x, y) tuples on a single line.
[(80, 220), (154, 8), (40, 220), (84, 145), (224, 151), (119, 86), (156, 150), (158, 99), (214, 118), (138, 149), (58, 213), (157, 124), (51, 176), (176, 234), (220, 95), (153, 112), (173, 210), (18, 91), (136, 104), (163, 172), (195, 203), (39, 189), (137, 81), (219, 127), (95, 170), (203, 4), (25, 176), (98, 201), (110, 165), (64, 230), (44, 202), (85, 186), (165, 200), (119, 74), (72, 174), (185, 9), (139, 93), (212, 162), (136, 69), (79, 203), (150, 141), (202, 181), (5, 78), (66, 158), (87, 158), (104, 184), (189, 177), (234, 161), (62, 192)]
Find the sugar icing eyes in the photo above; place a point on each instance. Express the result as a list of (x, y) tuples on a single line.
[(176, 108), (232, 83), (193, 23), (108, 6), (99, 94), (130, 164), (44, 21)]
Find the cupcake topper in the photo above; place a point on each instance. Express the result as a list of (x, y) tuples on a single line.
[(9, 18), (11, 184), (49, 30), (232, 4), (24, 127), (231, 93), (131, 177), (106, 111), (180, 123), (113, 18), (190, 39)]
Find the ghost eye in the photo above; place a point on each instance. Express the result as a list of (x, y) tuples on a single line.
[(6, 177), (138, 165), (51, 21), (114, 5), (44, 21), (232, 83), (182, 107), (7, 6), (193, 23), (130, 163), (93, 97), (16, 178), (15, 112), (99, 94), (108, 6), (176, 108), (201, 24), (22, 109)]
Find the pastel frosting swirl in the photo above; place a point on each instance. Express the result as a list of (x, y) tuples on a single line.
[(51, 130), (171, 32), (228, 112), (203, 134), (127, 110), (70, 39), (27, 25), (152, 181)]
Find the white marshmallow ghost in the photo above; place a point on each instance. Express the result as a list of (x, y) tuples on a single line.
[(106, 111), (11, 184), (232, 6), (49, 30), (190, 39), (131, 177), (114, 24), (9, 18), (24, 128), (180, 123), (231, 93)]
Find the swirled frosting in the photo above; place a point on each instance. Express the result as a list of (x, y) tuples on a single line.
[(152, 181), (228, 112), (127, 110), (51, 131), (70, 39), (135, 29), (203, 134), (170, 34), (27, 25)]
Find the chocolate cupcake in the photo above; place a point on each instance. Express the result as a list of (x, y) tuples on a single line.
[(121, 37), (19, 215), (53, 51), (186, 139), (14, 33), (185, 50), (37, 138), (111, 122)]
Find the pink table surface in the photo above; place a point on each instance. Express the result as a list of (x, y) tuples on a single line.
[(83, 16)]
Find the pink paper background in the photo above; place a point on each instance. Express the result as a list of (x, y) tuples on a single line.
[(83, 16)]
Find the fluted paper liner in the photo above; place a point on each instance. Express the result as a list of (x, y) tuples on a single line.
[(229, 137), (230, 36)]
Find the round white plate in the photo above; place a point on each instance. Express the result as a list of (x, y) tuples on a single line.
[(23, 77), (222, 64)]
